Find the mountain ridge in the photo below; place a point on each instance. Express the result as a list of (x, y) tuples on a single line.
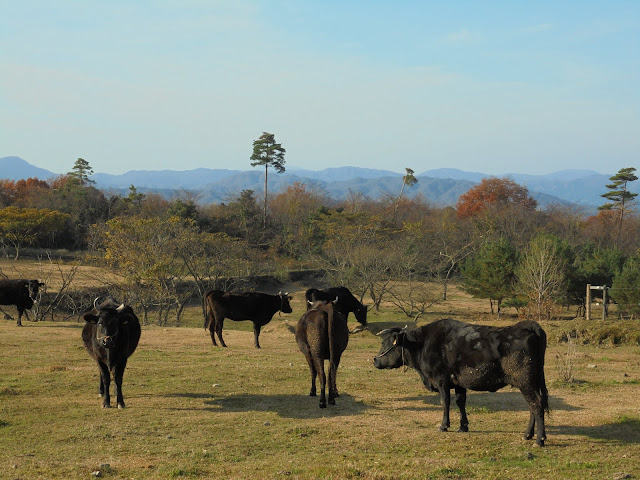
[(440, 186)]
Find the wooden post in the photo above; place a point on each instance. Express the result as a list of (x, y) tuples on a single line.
[(604, 302), (587, 306)]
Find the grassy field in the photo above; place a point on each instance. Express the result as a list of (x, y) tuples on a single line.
[(196, 411)]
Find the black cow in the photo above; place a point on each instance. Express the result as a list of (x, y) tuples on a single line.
[(21, 293), (451, 354), (346, 301), (110, 336), (255, 306), (322, 334)]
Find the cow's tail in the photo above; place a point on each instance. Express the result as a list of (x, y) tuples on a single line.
[(207, 312), (208, 306), (544, 393), (330, 313)]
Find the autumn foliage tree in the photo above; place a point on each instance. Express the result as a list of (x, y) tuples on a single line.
[(494, 191), (21, 227)]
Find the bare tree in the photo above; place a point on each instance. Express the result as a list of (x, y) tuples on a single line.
[(541, 274)]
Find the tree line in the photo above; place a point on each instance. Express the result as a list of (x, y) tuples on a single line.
[(496, 241)]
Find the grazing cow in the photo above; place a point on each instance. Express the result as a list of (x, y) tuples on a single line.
[(451, 354), (21, 293), (110, 336), (322, 334), (346, 301), (257, 307)]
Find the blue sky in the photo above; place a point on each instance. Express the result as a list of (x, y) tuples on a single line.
[(492, 86)]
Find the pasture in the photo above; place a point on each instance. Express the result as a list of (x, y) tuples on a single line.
[(196, 411)]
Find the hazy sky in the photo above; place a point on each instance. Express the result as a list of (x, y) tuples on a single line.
[(491, 86)]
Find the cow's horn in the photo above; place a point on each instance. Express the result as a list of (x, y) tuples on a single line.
[(335, 301), (120, 308), (95, 303), (383, 331), (309, 302)]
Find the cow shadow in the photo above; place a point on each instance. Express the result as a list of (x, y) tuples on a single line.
[(510, 401), (624, 432), (286, 406)]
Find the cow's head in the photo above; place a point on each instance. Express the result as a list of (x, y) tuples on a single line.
[(390, 354), (108, 320), (34, 286), (361, 315), (397, 345), (285, 298), (319, 303)]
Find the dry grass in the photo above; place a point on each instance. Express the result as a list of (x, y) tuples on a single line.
[(86, 276), (196, 411)]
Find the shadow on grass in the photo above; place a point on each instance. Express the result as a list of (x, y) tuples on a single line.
[(287, 406), (624, 431), (493, 402)]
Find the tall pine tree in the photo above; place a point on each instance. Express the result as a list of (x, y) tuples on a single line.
[(621, 199), (270, 154)]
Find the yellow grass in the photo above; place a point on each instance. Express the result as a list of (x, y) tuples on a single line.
[(196, 411)]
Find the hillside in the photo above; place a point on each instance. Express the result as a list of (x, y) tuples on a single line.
[(441, 186)]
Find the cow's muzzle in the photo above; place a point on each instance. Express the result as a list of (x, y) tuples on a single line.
[(107, 341)]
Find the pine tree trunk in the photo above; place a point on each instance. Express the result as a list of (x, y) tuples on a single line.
[(264, 216)]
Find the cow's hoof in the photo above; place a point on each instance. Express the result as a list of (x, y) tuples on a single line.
[(443, 428), (527, 436), (323, 405), (120, 406), (105, 405), (463, 428), (540, 443), (312, 394), (332, 401)]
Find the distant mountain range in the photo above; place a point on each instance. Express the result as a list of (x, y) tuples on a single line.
[(440, 186)]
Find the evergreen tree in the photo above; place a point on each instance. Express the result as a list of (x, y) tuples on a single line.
[(81, 171), (270, 154), (490, 272), (408, 180), (626, 287), (621, 199)]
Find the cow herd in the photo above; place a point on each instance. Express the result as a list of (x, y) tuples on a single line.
[(447, 354)]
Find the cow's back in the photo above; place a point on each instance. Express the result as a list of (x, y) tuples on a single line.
[(244, 306), (484, 358), (313, 330), (14, 292), (133, 331)]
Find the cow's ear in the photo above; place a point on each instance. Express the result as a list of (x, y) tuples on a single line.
[(41, 284), (91, 318), (416, 335)]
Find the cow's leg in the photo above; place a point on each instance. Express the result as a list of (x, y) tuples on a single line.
[(461, 401), (333, 371), (445, 401), (256, 334), (219, 324), (20, 312), (312, 370), (118, 373), (536, 416), (105, 377), (212, 328), (319, 365)]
